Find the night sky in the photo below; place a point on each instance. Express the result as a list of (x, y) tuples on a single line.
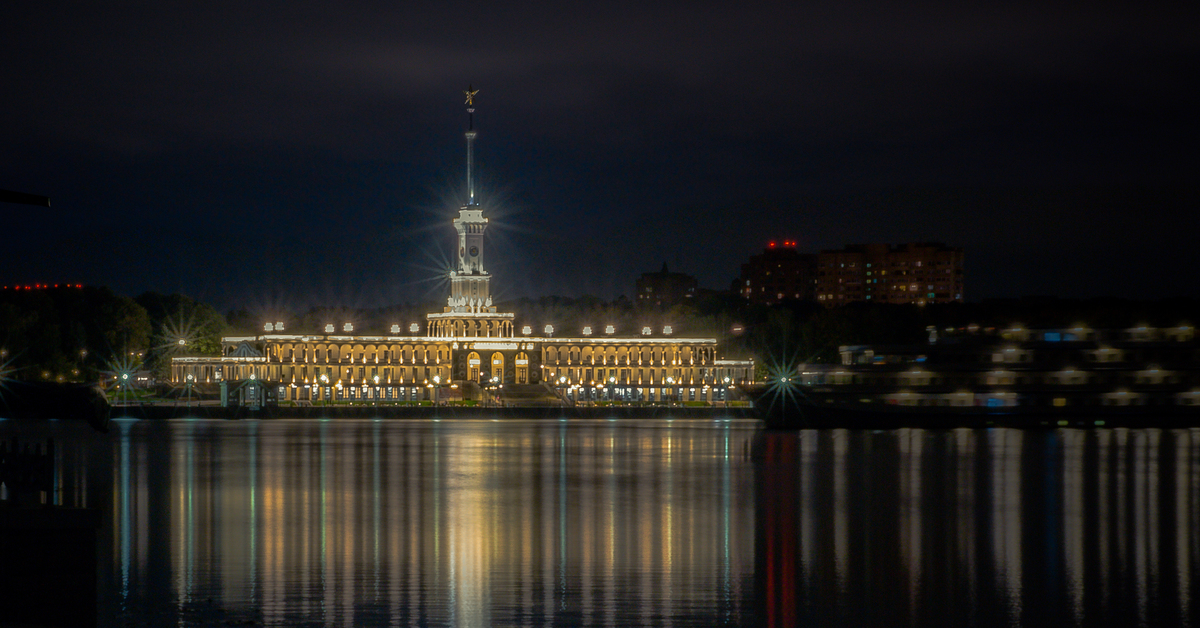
[(286, 154)]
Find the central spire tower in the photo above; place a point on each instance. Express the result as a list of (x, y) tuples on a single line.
[(470, 143), (469, 310), (469, 281)]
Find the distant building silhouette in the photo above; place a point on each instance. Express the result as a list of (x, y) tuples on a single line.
[(780, 273), (919, 273), (665, 287)]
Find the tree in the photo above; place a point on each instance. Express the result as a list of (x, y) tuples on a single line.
[(181, 326), (69, 333)]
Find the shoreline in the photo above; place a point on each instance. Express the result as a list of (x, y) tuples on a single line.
[(159, 412), (800, 416)]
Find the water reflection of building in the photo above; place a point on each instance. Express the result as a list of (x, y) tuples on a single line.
[(298, 522), (393, 523), (471, 342), (979, 527)]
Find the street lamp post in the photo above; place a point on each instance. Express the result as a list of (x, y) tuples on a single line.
[(125, 384), (324, 385), (187, 386)]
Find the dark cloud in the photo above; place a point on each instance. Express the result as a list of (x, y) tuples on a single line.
[(231, 149)]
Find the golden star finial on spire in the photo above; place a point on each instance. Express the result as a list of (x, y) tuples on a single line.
[(470, 95)]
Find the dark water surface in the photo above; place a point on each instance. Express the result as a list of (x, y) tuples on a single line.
[(653, 523)]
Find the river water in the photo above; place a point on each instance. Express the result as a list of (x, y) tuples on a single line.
[(646, 523)]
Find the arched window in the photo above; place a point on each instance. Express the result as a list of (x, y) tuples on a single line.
[(473, 366), (521, 372)]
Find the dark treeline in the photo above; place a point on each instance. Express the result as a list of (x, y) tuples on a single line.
[(75, 334)]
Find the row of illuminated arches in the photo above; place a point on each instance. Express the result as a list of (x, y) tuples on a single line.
[(630, 355), (471, 328), (639, 376), (323, 353), (350, 354), (435, 353)]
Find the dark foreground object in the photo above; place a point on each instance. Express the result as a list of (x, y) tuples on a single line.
[(35, 400), (21, 198), (48, 569)]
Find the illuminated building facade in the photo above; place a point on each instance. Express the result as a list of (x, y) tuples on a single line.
[(470, 344)]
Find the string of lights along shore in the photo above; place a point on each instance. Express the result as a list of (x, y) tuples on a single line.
[(471, 350)]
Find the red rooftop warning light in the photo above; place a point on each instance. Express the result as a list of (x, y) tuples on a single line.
[(41, 286)]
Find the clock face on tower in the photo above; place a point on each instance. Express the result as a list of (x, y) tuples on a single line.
[(474, 251)]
